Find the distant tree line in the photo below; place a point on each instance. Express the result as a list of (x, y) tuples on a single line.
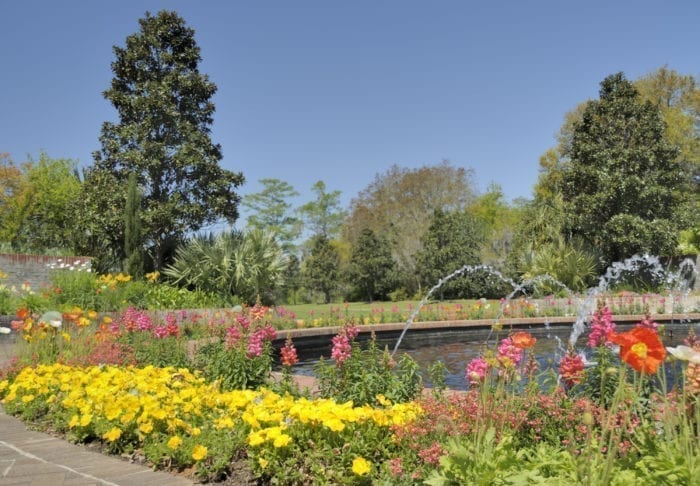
[(622, 179)]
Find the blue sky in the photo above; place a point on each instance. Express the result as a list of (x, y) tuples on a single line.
[(340, 90)]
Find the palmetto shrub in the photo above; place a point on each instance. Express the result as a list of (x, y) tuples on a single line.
[(234, 264)]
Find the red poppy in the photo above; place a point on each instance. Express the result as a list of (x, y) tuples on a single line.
[(523, 340), (640, 348)]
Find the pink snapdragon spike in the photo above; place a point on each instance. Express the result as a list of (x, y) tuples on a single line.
[(243, 321), (602, 327), (160, 332), (232, 336), (341, 348), (509, 355), (477, 370), (256, 343)]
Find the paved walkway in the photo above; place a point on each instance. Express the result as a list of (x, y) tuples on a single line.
[(37, 459)]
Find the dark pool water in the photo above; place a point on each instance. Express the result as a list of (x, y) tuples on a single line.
[(455, 348)]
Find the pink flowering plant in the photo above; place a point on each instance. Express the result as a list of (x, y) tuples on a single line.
[(241, 357), (153, 343), (361, 375)]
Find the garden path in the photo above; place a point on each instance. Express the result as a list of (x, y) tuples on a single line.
[(37, 459)]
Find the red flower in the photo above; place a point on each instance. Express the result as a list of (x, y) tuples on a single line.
[(640, 348), (523, 340), (571, 369), (289, 353)]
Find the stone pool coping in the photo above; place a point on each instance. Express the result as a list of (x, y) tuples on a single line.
[(301, 333)]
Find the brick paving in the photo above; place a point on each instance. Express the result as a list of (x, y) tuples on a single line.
[(37, 459)]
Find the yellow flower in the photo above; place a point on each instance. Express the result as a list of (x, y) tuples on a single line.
[(66, 336), (174, 442), (263, 462), (282, 440), (113, 434), (27, 398), (146, 427), (74, 421), (85, 420), (199, 452), (361, 466), (256, 438), (334, 424)]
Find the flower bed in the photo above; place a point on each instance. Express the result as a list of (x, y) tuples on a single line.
[(614, 422)]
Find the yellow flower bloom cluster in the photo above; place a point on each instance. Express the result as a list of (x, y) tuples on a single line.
[(167, 405), (112, 280)]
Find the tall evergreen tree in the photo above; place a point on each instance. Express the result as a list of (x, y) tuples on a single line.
[(624, 188), (371, 266), (132, 230), (165, 114), (452, 241), (321, 268)]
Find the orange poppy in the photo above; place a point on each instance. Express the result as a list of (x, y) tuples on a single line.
[(640, 348), (23, 313), (523, 340)]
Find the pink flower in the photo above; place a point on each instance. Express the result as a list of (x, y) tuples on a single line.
[(396, 467), (509, 355), (341, 348), (602, 327), (232, 336), (351, 331), (160, 332), (256, 343), (243, 321), (477, 370)]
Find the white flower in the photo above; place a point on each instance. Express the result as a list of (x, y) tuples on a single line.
[(685, 353), (5, 330), (52, 318)]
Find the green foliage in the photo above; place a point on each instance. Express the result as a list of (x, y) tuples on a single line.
[(271, 211), (452, 241), (324, 215), (481, 460), (133, 246), (372, 268), (321, 270), (231, 366), (399, 206), (165, 111), (159, 352), (498, 221), (624, 189), (601, 381), (99, 220), (36, 204), (231, 264), (568, 263), (368, 373)]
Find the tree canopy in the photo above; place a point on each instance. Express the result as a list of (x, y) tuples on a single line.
[(399, 206), (36, 200), (163, 134), (271, 211), (624, 188)]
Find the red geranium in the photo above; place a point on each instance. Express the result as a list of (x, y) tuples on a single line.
[(640, 348)]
